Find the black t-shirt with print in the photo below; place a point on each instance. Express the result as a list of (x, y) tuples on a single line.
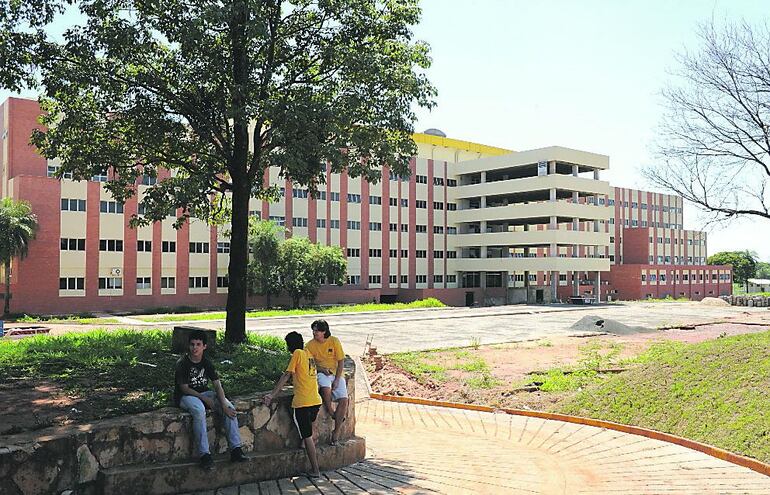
[(196, 375)]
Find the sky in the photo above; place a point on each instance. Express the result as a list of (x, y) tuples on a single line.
[(584, 74), (523, 74)]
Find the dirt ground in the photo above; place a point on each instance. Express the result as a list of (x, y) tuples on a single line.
[(510, 365)]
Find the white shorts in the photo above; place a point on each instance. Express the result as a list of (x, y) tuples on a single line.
[(341, 392)]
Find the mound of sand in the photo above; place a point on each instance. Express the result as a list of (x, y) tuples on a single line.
[(593, 323), (714, 301)]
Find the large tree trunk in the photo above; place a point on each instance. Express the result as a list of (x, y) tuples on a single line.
[(7, 304), (235, 327)]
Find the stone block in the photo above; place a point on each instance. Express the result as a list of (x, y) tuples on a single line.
[(180, 342), (88, 467)]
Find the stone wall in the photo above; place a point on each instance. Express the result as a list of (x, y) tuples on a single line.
[(748, 300), (54, 460)]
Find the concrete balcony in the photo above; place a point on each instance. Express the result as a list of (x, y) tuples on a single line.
[(528, 264), (521, 213), (533, 238), (529, 184)]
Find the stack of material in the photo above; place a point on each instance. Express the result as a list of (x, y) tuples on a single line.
[(593, 323)]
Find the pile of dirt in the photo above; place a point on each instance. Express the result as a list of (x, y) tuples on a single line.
[(592, 323), (714, 301)]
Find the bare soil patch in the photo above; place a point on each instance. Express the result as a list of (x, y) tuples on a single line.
[(509, 365)]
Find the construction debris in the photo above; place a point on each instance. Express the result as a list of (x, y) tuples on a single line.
[(598, 324)]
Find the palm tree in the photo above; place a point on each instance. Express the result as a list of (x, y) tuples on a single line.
[(18, 226)]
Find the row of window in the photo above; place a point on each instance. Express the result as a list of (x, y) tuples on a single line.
[(635, 205), (70, 244), (393, 253), (653, 277), (78, 283), (394, 279), (51, 171)]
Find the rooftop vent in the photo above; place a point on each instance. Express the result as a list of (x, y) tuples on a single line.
[(435, 132)]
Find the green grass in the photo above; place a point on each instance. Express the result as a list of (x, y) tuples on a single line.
[(419, 365), (667, 299), (123, 371), (357, 308), (433, 365), (714, 392), (76, 319)]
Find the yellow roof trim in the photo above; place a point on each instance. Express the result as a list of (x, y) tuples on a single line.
[(421, 138)]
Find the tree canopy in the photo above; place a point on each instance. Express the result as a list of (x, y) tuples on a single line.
[(215, 92), (265, 241), (715, 137), (18, 226), (744, 263)]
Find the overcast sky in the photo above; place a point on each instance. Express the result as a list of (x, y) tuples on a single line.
[(587, 74)]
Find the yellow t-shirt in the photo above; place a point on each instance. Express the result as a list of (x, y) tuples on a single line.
[(326, 354), (303, 375)]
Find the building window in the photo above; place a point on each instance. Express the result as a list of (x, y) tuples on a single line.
[(73, 244), (100, 177), (375, 200), (438, 229), (354, 279), (393, 227), (421, 279), (255, 213), (404, 279), (72, 283), (420, 253), (223, 247), (354, 225), (438, 279), (421, 229), (334, 196), (451, 279), (198, 282), (404, 227), (299, 222), (438, 205), (451, 254), (168, 246), (334, 224), (144, 246), (393, 201), (404, 253), (52, 169), (148, 181), (420, 203), (199, 247), (168, 282), (354, 252), (354, 198), (143, 283), (296, 193), (393, 279), (320, 223), (405, 203), (438, 254), (451, 230), (280, 221), (110, 245), (375, 253), (223, 282), (376, 226), (73, 204), (438, 181), (110, 283), (393, 253), (375, 279), (451, 183), (421, 179)]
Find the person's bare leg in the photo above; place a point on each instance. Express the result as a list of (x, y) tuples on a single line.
[(339, 418), (311, 455), (326, 397)]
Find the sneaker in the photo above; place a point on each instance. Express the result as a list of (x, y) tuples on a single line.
[(236, 455), (206, 462)]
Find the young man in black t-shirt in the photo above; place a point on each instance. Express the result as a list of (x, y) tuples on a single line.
[(191, 382)]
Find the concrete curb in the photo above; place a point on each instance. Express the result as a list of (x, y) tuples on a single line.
[(747, 462)]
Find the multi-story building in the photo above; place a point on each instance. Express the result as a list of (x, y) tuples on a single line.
[(472, 224)]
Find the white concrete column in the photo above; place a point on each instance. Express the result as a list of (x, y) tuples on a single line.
[(552, 195), (552, 167), (575, 170), (596, 174), (598, 287), (483, 177)]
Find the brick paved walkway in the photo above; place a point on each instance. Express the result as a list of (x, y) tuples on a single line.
[(421, 449)]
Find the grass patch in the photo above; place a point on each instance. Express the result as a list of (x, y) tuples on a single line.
[(75, 319), (420, 365), (667, 299), (357, 308), (482, 381), (714, 392), (121, 372)]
